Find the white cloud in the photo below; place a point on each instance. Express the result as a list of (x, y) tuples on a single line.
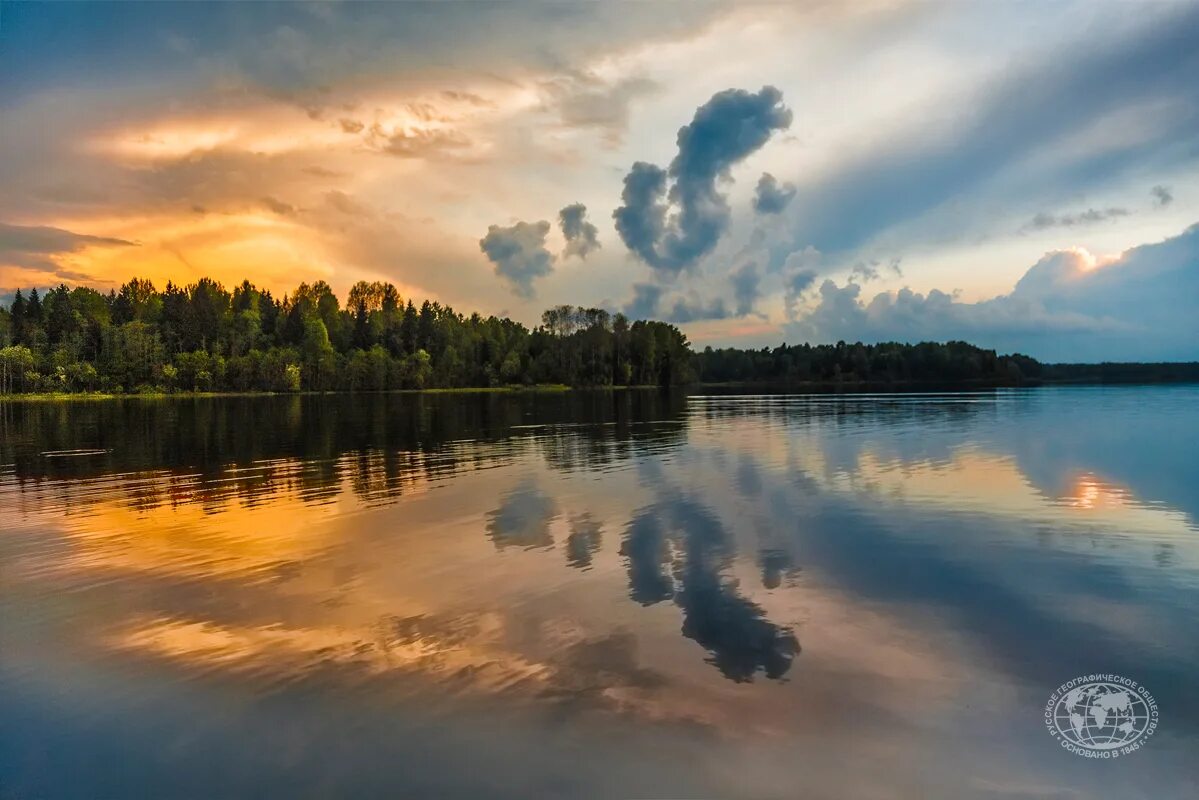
[(1069, 306)]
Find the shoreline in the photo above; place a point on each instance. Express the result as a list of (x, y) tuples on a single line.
[(729, 387), (51, 397)]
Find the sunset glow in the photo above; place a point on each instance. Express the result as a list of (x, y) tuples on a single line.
[(259, 146)]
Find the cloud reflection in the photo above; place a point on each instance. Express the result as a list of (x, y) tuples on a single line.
[(638, 559)]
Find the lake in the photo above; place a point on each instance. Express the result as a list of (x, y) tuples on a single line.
[(624, 594)]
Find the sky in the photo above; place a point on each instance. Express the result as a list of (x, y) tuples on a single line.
[(1024, 176)]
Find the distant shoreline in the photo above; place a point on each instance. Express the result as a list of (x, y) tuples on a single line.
[(1091, 376), (1113, 374)]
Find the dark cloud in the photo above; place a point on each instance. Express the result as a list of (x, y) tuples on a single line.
[(289, 48), (1162, 195), (35, 246), (771, 197), (1089, 217), (581, 236), (726, 129), (1139, 307), (519, 254), (745, 281), (351, 125)]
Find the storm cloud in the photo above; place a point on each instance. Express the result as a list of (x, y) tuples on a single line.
[(519, 254), (671, 228), (581, 236)]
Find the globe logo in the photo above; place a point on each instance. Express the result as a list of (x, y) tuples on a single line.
[(1101, 716)]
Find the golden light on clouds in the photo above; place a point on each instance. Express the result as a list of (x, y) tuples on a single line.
[(166, 142), (227, 247), (279, 195)]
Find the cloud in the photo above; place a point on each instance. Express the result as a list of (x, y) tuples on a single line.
[(671, 230), (1068, 306), (746, 292), (802, 259), (581, 236), (770, 197), (1162, 196), (866, 271), (351, 125), (36, 246), (863, 273), (416, 142), (684, 310), (343, 203), (648, 303), (523, 518), (278, 206), (519, 254), (321, 172), (1091, 216), (644, 304), (583, 100), (295, 49), (795, 287), (1056, 126)]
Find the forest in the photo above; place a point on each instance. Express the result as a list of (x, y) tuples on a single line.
[(887, 363), (205, 338)]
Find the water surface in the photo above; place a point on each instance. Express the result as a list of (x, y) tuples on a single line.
[(612, 594)]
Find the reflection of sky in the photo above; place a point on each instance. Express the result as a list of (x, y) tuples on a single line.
[(804, 585)]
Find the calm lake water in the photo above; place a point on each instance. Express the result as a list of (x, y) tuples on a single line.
[(612, 594)]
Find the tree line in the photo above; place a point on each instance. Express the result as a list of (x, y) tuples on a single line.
[(203, 337), (887, 363)]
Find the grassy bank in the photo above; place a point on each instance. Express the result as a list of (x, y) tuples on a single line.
[(54, 397)]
